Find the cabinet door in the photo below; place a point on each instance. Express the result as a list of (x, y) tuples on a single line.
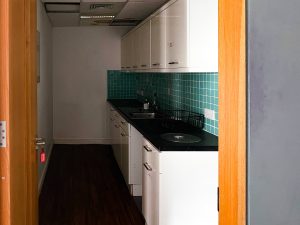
[(117, 143), (176, 36), (133, 50), (143, 54), (158, 41), (147, 205), (123, 54), (126, 52), (125, 155), (135, 156), (130, 51)]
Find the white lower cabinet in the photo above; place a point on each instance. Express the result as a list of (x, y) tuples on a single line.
[(179, 187), (127, 143)]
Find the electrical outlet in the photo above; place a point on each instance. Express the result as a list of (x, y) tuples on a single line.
[(209, 114)]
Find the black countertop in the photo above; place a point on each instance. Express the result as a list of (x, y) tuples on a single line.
[(151, 129)]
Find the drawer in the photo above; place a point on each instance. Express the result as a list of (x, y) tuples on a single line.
[(124, 124), (149, 154), (124, 132)]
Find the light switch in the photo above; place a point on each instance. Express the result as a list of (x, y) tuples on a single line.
[(209, 114), (2, 134)]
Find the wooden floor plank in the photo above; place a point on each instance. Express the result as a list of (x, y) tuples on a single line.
[(84, 186)]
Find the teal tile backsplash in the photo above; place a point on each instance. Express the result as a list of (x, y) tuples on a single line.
[(189, 91), (121, 85)]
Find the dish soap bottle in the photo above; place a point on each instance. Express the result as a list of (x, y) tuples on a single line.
[(146, 104)]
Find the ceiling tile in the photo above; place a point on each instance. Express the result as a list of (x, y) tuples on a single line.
[(64, 19)]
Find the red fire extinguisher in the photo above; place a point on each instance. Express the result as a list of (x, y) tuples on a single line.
[(42, 155)]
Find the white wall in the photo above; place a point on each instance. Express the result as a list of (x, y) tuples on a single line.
[(81, 57), (44, 92)]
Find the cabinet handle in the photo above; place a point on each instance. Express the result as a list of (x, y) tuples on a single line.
[(173, 63), (122, 134), (156, 64), (147, 148), (147, 166), (128, 67), (134, 67), (144, 65), (116, 126)]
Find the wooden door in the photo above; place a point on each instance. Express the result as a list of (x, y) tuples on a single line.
[(18, 193), (232, 112)]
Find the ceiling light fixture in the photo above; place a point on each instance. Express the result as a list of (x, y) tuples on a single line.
[(97, 17)]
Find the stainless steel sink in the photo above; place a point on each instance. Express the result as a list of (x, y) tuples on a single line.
[(143, 115), (181, 138)]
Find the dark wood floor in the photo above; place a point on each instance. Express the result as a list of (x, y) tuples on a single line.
[(83, 186)]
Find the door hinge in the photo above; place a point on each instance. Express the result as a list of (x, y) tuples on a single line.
[(2, 134), (218, 199)]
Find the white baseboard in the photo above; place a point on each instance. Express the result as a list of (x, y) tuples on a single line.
[(41, 182), (102, 141), (135, 189)]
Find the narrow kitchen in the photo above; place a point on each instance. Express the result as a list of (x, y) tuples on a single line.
[(128, 99)]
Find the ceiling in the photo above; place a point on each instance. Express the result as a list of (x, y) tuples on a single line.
[(99, 12)]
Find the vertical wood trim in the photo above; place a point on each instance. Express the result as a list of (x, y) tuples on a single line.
[(4, 112), (31, 69), (232, 109)]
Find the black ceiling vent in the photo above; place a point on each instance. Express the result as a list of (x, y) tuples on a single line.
[(125, 22), (101, 6)]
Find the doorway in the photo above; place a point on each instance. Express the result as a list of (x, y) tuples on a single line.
[(18, 195)]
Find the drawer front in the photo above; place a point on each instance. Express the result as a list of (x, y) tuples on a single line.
[(124, 124)]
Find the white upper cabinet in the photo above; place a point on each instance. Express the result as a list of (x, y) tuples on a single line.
[(123, 55), (182, 36), (176, 34), (203, 35), (143, 46), (158, 41), (134, 57)]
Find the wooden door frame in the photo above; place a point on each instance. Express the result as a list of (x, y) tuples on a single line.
[(232, 112), (17, 77), (18, 186)]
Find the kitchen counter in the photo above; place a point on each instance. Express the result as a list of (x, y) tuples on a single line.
[(151, 129)]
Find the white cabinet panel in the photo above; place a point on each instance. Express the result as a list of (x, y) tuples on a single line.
[(125, 155), (135, 157), (143, 53), (127, 148), (179, 187), (188, 188), (176, 34), (158, 41)]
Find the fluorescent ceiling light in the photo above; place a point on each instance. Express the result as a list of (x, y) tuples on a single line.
[(97, 17), (62, 7)]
